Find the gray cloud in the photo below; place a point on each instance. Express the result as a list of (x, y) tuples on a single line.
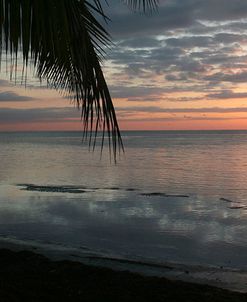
[(141, 42), (168, 17), (227, 94), (153, 109), (10, 96), (229, 38), (176, 77), (189, 42), (173, 15), (135, 91), (176, 119), (10, 115), (192, 45), (189, 62), (186, 99), (240, 77), (5, 83)]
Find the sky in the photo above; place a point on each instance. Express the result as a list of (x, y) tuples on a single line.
[(183, 67)]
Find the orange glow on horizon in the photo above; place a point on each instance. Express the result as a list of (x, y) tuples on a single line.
[(233, 124), (160, 116)]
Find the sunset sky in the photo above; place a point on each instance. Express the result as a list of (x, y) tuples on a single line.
[(184, 67)]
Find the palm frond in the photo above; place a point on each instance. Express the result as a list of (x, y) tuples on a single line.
[(65, 43), (142, 5)]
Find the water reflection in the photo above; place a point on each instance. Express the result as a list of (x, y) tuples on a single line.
[(184, 230), (109, 216)]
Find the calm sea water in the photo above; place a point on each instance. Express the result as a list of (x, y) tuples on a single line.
[(122, 209)]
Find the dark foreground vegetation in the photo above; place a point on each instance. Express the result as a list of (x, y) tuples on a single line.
[(26, 276)]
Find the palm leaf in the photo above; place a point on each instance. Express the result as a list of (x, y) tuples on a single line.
[(65, 43), (142, 5)]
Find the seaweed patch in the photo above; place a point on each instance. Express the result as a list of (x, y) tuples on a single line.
[(53, 189)]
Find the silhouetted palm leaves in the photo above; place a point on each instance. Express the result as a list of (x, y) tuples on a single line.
[(65, 43)]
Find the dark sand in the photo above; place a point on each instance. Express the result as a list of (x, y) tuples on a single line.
[(26, 276)]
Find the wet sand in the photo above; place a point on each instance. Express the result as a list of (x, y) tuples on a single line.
[(28, 276)]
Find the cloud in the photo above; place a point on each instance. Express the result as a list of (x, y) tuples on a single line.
[(190, 42), (5, 83), (185, 99), (173, 15), (182, 118), (10, 115), (135, 92), (227, 94), (194, 45), (176, 77), (9, 96), (187, 46), (153, 109), (201, 60), (168, 17), (239, 77), (226, 38), (140, 42)]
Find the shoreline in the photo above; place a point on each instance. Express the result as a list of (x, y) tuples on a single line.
[(220, 277), (28, 276)]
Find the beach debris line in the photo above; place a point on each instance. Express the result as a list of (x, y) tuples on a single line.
[(132, 262)]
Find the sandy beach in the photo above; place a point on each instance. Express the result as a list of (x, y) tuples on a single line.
[(28, 276)]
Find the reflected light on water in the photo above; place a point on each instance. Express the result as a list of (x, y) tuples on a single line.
[(117, 213)]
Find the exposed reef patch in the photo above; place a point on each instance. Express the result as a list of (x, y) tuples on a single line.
[(54, 189), (226, 199), (237, 207), (234, 204), (164, 195), (67, 188), (83, 189)]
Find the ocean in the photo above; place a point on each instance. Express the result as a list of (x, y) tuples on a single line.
[(173, 196)]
